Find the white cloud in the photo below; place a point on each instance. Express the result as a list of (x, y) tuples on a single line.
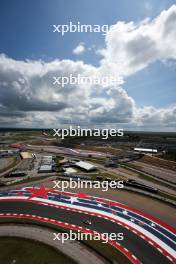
[(131, 47), (28, 97), (80, 49), (27, 88)]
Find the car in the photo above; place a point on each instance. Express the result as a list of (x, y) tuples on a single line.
[(87, 222)]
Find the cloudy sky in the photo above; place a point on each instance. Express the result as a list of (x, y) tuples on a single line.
[(140, 49)]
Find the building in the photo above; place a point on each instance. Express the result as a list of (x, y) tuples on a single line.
[(6, 153), (85, 166), (145, 150), (69, 171), (47, 160), (16, 174), (45, 169), (26, 155), (47, 164)]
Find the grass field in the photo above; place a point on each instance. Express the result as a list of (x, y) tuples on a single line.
[(106, 251), (12, 162), (24, 251)]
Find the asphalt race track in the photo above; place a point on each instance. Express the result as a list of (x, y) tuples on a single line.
[(144, 251)]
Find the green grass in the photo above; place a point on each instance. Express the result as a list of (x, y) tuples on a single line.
[(170, 155), (106, 175), (146, 176), (100, 161), (167, 195), (151, 179), (27, 251), (105, 250), (131, 166), (11, 165), (33, 179)]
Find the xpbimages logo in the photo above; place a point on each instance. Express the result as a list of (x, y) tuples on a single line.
[(80, 236), (88, 132), (84, 184), (71, 79), (82, 28)]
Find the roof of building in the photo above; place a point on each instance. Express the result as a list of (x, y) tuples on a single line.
[(47, 157), (85, 165), (26, 155), (146, 150), (46, 162), (70, 170), (45, 168)]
